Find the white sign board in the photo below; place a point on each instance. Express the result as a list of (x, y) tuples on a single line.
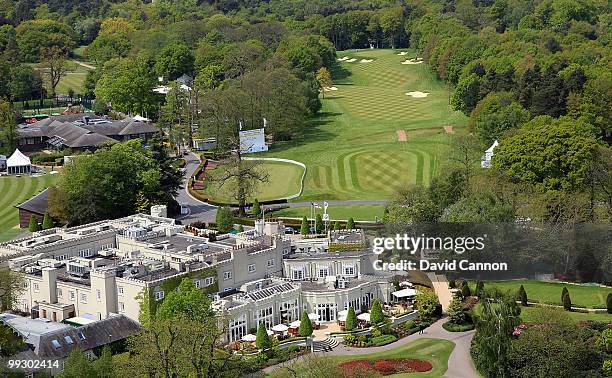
[(252, 141)]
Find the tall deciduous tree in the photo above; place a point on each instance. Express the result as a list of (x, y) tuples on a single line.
[(54, 66), (11, 286)]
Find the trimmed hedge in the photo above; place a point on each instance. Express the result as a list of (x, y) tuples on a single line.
[(383, 340), (348, 247), (452, 327)]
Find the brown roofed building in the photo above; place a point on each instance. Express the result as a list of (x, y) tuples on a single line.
[(35, 206)]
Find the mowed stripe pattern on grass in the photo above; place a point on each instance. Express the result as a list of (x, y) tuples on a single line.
[(13, 191), (352, 149)]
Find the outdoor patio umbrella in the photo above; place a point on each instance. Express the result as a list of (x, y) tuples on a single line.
[(313, 316), (294, 324), (341, 318), (404, 293), (249, 338), (343, 313), (280, 328), (365, 316), (270, 333)]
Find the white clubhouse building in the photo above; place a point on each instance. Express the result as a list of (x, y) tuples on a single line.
[(99, 269)]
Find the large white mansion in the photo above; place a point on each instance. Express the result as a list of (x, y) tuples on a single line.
[(99, 269)]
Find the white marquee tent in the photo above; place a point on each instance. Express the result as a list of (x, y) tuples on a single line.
[(18, 163)]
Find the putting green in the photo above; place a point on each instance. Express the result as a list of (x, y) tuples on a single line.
[(352, 148), (284, 181), (15, 190)]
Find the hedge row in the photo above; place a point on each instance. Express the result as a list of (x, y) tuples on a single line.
[(452, 327)]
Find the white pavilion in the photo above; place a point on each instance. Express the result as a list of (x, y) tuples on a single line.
[(18, 163)]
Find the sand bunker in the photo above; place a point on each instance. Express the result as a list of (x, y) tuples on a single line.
[(413, 61), (448, 129), (327, 89), (342, 59), (401, 135), (417, 94), (366, 60), (351, 60), (402, 53)]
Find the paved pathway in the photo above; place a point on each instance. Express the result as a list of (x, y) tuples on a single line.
[(89, 66), (460, 363), (198, 210)]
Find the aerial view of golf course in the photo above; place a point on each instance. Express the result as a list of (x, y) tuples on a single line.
[(385, 123)]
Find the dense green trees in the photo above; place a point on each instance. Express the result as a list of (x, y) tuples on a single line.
[(115, 181), (495, 115), (128, 84), (174, 61), (8, 134), (552, 154), (35, 35)]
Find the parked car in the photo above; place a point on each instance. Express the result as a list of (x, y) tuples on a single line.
[(290, 230)]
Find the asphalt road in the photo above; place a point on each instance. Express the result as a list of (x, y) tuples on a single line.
[(198, 210)]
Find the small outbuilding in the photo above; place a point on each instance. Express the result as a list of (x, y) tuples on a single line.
[(2, 163), (36, 206), (18, 163)]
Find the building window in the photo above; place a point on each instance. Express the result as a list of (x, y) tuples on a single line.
[(68, 340), (83, 298), (228, 289), (61, 257), (85, 252), (25, 285), (349, 270), (55, 344), (322, 272), (159, 295), (270, 263), (297, 274), (251, 268), (227, 275), (35, 287), (197, 283), (98, 295), (71, 295), (119, 290), (121, 307), (59, 292), (209, 281)]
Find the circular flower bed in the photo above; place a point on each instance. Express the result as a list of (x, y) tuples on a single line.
[(386, 366)]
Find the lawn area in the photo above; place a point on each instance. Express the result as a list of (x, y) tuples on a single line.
[(16, 190), (436, 351), (371, 138), (73, 80), (546, 292), (284, 180), (358, 212), (528, 312)]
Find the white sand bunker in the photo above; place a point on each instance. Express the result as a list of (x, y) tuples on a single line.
[(413, 61), (402, 53), (417, 94), (351, 60), (342, 59), (366, 60), (327, 89)]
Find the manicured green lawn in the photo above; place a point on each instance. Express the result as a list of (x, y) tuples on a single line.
[(352, 149), (358, 212), (73, 80), (546, 292), (436, 351), (528, 312), (16, 190), (284, 180)]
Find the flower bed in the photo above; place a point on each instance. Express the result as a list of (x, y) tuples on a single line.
[(386, 366)]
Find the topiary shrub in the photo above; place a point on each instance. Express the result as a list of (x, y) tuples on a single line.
[(522, 296), (465, 290), (567, 302)]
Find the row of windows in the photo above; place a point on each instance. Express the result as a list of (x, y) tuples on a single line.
[(299, 273)]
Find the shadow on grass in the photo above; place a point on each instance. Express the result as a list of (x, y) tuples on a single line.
[(339, 73), (312, 132)]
